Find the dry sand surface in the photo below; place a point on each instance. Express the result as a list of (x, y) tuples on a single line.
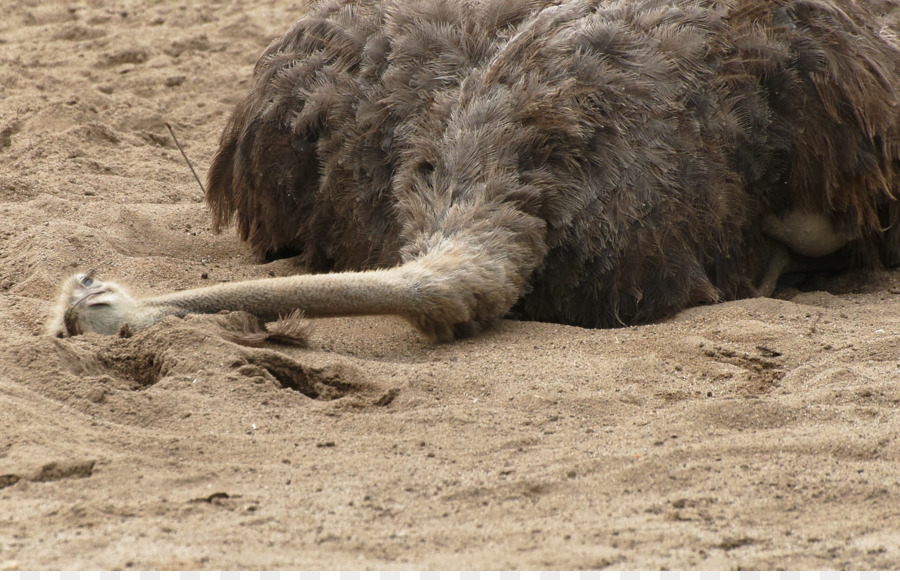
[(754, 434)]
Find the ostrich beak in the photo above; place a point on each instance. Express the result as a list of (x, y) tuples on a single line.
[(94, 299)]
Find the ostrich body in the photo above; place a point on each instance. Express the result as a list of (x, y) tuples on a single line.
[(593, 163)]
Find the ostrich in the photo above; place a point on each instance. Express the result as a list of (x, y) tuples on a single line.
[(585, 162)]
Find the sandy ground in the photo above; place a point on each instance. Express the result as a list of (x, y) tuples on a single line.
[(753, 434)]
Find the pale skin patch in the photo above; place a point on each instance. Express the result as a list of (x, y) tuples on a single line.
[(808, 234)]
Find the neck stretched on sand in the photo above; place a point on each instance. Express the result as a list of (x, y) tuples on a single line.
[(341, 294)]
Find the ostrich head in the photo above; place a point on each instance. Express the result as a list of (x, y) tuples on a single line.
[(89, 305)]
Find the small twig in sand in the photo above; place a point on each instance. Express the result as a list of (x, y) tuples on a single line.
[(183, 154), (813, 323)]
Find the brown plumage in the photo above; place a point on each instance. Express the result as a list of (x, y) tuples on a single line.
[(584, 162)]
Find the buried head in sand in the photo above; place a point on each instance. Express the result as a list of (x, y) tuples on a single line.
[(587, 163)]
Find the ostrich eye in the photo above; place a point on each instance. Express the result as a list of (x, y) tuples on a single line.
[(87, 281)]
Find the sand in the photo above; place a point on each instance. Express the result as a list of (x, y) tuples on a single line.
[(754, 434)]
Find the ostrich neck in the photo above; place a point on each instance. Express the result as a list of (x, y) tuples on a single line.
[(352, 293)]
